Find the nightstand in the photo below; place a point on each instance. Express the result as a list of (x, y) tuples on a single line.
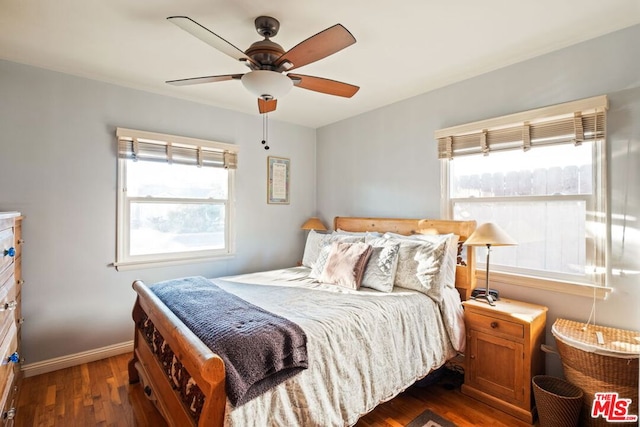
[(503, 354)]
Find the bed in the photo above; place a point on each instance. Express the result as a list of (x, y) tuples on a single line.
[(365, 344)]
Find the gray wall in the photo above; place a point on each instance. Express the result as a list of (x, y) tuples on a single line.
[(58, 167), (384, 163)]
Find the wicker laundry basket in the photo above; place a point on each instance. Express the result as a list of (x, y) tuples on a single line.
[(609, 367)]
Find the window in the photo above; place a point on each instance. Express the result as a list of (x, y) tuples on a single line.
[(541, 178), (175, 199)]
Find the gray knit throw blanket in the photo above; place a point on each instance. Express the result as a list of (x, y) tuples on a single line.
[(260, 349)]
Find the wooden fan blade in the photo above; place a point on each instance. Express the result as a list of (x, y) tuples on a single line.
[(316, 47), (318, 84), (267, 106), (211, 38), (207, 79)]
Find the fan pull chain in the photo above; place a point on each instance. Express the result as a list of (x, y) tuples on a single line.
[(265, 130)]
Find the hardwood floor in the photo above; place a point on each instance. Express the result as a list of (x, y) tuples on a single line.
[(99, 394), (92, 394), (451, 404)]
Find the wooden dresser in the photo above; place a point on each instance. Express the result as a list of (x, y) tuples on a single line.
[(10, 312)]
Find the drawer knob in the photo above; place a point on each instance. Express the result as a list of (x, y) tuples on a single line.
[(473, 356), (147, 391), (14, 358), (20, 241), (10, 252), (8, 306), (20, 282), (494, 325), (10, 414)]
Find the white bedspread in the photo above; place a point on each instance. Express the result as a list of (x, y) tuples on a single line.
[(364, 348)]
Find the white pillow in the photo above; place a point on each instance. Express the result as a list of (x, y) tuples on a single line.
[(420, 266), (365, 234), (321, 260), (451, 252), (381, 269), (315, 242)]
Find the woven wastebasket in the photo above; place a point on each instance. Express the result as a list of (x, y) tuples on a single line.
[(610, 366), (558, 401)]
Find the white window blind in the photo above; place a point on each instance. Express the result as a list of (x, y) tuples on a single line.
[(148, 146), (572, 122)]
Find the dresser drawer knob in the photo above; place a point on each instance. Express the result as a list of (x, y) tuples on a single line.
[(14, 358), (20, 241), (494, 325), (10, 252), (20, 282), (8, 306), (10, 414)]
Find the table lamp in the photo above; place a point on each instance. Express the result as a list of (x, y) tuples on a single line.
[(488, 234), (313, 223)]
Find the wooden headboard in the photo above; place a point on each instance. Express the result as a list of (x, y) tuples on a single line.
[(465, 270)]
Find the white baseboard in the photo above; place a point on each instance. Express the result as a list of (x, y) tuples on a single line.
[(45, 366)]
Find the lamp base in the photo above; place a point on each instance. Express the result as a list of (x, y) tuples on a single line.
[(489, 295)]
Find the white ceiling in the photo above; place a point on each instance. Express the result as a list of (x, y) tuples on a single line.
[(403, 48)]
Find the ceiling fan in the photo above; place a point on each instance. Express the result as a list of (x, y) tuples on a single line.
[(268, 61)]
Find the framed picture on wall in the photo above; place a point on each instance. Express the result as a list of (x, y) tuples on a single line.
[(278, 173)]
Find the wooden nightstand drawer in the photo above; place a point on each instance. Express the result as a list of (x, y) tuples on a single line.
[(479, 321)]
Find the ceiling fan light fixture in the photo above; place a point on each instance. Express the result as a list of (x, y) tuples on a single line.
[(268, 61), (267, 84)]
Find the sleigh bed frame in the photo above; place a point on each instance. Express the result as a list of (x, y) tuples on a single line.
[(193, 393)]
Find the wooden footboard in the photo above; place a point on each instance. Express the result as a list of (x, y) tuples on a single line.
[(180, 374)]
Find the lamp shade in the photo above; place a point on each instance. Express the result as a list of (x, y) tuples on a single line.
[(267, 84), (490, 234), (313, 223)]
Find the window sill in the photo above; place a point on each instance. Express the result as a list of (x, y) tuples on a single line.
[(499, 278), (138, 265)]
